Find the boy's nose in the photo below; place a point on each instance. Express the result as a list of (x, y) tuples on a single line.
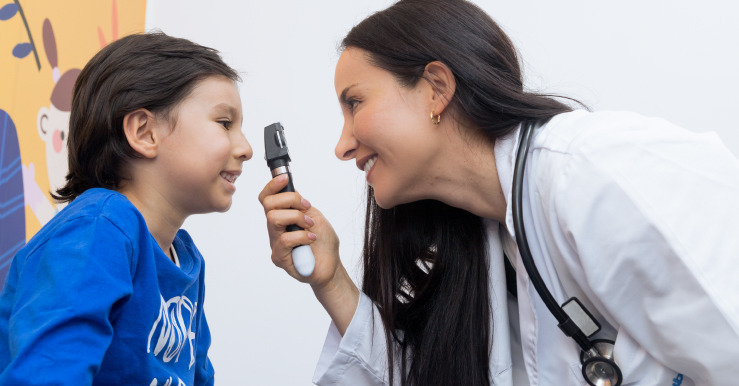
[(243, 150)]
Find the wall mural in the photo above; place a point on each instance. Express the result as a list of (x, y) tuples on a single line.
[(43, 46)]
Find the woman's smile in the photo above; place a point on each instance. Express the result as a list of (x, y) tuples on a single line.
[(367, 164)]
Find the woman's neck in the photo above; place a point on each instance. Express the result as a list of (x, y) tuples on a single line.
[(466, 177), (162, 218)]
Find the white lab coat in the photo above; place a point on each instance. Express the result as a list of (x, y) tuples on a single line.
[(636, 217)]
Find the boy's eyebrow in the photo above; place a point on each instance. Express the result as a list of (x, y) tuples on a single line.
[(223, 106)]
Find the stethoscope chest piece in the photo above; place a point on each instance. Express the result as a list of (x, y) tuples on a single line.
[(601, 370)]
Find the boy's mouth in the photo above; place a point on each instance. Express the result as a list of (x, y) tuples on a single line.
[(230, 176)]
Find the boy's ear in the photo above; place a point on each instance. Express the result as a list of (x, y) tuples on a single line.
[(140, 129)]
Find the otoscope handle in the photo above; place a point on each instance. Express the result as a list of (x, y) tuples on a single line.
[(303, 259)]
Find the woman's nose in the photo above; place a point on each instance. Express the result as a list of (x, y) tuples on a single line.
[(347, 146)]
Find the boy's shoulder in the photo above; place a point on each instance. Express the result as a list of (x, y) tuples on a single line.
[(185, 237), (97, 213), (99, 203), (184, 240)]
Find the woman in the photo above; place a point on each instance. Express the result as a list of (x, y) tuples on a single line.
[(633, 216)]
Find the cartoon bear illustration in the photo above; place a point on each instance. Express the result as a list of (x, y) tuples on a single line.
[(52, 124)]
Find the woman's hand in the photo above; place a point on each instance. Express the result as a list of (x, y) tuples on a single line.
[(283, 209), (330, 282)]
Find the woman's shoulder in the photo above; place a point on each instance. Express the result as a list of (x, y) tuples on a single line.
[(583, 132), (642, 159), (627, 151)]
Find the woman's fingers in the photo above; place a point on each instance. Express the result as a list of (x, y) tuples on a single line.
[(282, 249), (273, 187), (286, 200), (285, 209), (279, 219), (271, 199)]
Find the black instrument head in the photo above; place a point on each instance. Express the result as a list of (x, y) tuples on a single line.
[(275, 146)]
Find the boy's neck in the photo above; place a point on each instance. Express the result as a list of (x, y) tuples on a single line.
[(162, 218)]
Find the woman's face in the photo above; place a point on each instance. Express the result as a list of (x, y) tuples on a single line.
[(387, 129)]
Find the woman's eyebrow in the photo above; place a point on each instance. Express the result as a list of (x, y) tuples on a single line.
[(346, 90)]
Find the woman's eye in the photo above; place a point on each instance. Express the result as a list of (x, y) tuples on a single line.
[(352, 103), (225, 124)]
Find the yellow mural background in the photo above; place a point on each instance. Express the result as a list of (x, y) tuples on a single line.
[(24, 88)]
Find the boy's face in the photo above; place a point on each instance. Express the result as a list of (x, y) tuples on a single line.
[(201, 156)]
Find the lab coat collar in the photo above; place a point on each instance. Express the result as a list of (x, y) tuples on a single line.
[(501, 365), (505, 158), (505, 150)]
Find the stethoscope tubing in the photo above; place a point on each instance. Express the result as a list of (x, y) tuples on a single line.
[(527, 130)]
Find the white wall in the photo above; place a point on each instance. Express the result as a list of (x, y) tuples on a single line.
[(670, 58)]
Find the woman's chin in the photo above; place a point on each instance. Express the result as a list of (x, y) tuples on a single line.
[(385, 201), (381, 200), (380, 204)]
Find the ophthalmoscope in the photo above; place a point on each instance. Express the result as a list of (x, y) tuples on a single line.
[(278, 160)]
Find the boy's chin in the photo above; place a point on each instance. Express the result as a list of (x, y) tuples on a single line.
[(217, 205), (223, 206)]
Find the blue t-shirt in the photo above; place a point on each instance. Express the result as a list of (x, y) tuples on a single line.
[(93, 300)]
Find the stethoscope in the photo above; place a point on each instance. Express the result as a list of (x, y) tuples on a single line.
[(598, 365)]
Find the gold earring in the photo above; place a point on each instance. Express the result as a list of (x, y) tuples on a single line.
[(437, 120)]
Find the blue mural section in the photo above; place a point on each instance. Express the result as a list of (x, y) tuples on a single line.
[(12, 212)]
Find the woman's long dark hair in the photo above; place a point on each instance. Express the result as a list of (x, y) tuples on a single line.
[(426, 263)]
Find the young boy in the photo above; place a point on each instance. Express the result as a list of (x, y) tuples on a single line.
[(110, 291)]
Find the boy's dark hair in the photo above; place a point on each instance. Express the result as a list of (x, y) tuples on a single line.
[(153, 71)]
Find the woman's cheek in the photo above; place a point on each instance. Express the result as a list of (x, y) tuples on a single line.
[(361, 129), (369, 121)]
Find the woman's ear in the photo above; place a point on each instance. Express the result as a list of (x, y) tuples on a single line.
[(441, 79), (140, 129)]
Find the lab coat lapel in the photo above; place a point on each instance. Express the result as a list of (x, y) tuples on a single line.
[(505, 158), (501, 366)]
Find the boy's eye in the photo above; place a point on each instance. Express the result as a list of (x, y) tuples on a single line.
[(225, 124)]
